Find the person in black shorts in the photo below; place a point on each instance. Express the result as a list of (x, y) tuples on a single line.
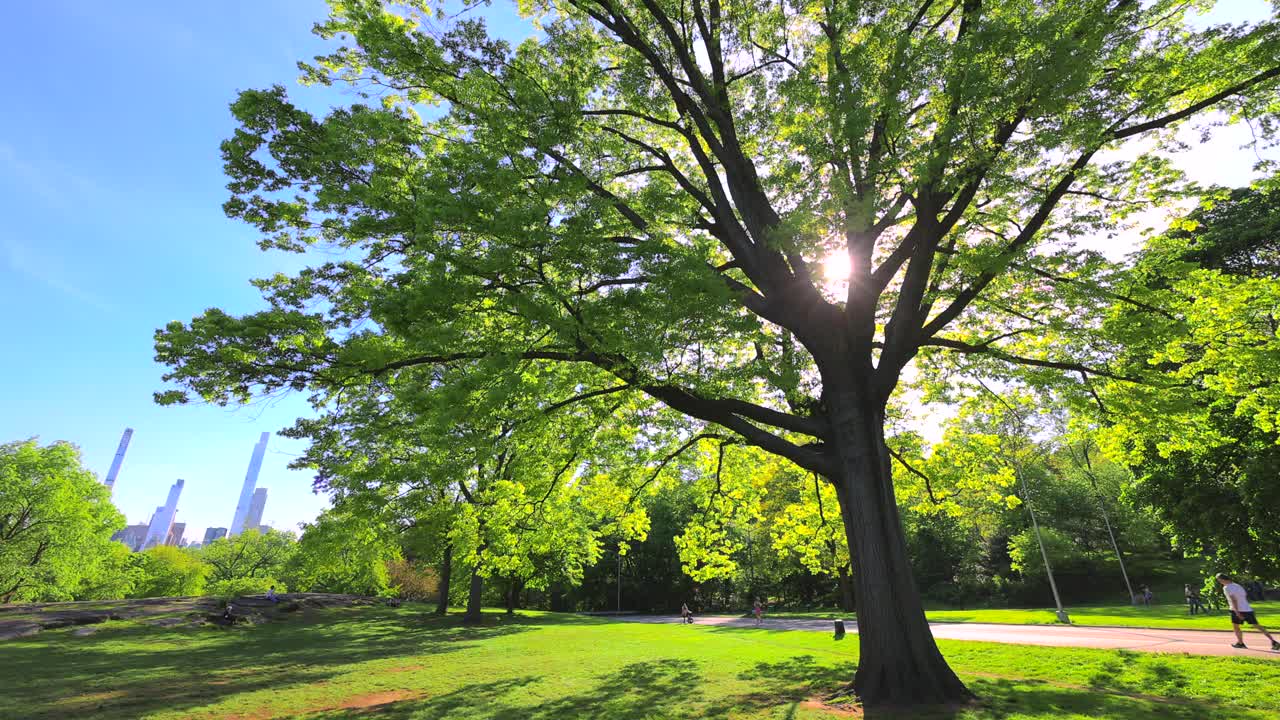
[(1241, 611)]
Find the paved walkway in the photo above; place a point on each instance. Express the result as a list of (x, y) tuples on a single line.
[(1195, 642)]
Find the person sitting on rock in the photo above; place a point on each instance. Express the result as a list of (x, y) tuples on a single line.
[(271, 595)]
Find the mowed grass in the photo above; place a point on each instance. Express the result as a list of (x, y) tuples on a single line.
[(1157, 616), (405, 663)]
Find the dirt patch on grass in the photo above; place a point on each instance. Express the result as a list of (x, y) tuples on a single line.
[(92, 698), (405, 668), (85, 703), (374, 700), (360, 704), (836, 710)]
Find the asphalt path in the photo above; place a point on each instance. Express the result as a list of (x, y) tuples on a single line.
[(1194, 642)]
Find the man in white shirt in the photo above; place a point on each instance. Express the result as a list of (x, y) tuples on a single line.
[(1241, 611)]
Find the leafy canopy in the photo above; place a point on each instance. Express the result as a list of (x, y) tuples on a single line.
[(56, 522), (645, 190)]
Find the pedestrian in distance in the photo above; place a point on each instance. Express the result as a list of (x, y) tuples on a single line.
[(758, 611), (1146, 596), (685, 615), (1241, 611), (1194, 604)]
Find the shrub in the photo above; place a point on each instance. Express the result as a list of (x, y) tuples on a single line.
[(412, 582), (239, 587)]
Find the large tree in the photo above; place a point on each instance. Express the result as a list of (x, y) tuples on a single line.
[(56, 522), (648, 190)]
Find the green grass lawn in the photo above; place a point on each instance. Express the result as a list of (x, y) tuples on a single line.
[(404, 663), (1156, 616)]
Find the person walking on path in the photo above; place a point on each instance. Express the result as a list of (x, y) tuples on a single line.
[(685, 615), (1242, 611), (758, 611)]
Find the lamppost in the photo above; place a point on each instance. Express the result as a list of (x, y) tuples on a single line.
[(1053, 585), (1026, 494)]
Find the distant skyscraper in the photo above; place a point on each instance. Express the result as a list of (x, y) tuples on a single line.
[(132, 536), (250, 481), (213, 534), (115, 464), (258, 504), (162, 521), (176, 531)]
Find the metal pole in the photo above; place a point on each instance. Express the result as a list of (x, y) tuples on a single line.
[(1115, 546), (1102, 506), (619, 579), (1062, 614)]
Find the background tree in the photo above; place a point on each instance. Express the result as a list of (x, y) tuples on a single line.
[(56, 522), (250, 562), (644, 191), (167, 571), (116, 575), (343, 552), (1206, 450), (505, 487)]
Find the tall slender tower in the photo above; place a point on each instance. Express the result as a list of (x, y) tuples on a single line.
[(162, 521), (115, 464), (246, 492), (254, 520)]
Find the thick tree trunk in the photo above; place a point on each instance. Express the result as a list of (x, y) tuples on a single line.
[(846, 590), (513, 591), (446, 574), (473, 598), (899, 662)]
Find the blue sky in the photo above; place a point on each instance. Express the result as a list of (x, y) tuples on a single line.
[(111, 189)]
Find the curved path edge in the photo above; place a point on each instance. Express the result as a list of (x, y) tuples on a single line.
[(1192, 642)]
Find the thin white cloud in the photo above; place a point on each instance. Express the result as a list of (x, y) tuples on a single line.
[(49, 271), (52, 183)]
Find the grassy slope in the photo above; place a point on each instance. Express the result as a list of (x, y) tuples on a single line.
[(406, 664), (1156, 616)]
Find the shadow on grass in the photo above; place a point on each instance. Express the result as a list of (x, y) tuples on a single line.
[(121, 671), (656, 688), (1004, 697)]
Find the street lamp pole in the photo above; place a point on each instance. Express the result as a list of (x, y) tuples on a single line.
[(1053, 585)]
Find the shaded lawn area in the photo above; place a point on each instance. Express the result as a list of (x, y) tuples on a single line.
[(1157, 616), (404, 663)]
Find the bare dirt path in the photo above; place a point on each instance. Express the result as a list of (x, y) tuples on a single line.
[(1194, 642)]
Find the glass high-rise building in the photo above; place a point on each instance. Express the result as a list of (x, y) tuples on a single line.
[(238, 521)]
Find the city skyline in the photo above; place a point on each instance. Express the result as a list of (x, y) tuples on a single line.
[(162, 528)]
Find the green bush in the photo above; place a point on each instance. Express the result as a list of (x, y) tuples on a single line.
[(168, 571), (239, 587)]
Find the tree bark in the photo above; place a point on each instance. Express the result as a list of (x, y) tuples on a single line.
[(846, 590), (899, 662), (446, 574), (513, 590), (473, 598)]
